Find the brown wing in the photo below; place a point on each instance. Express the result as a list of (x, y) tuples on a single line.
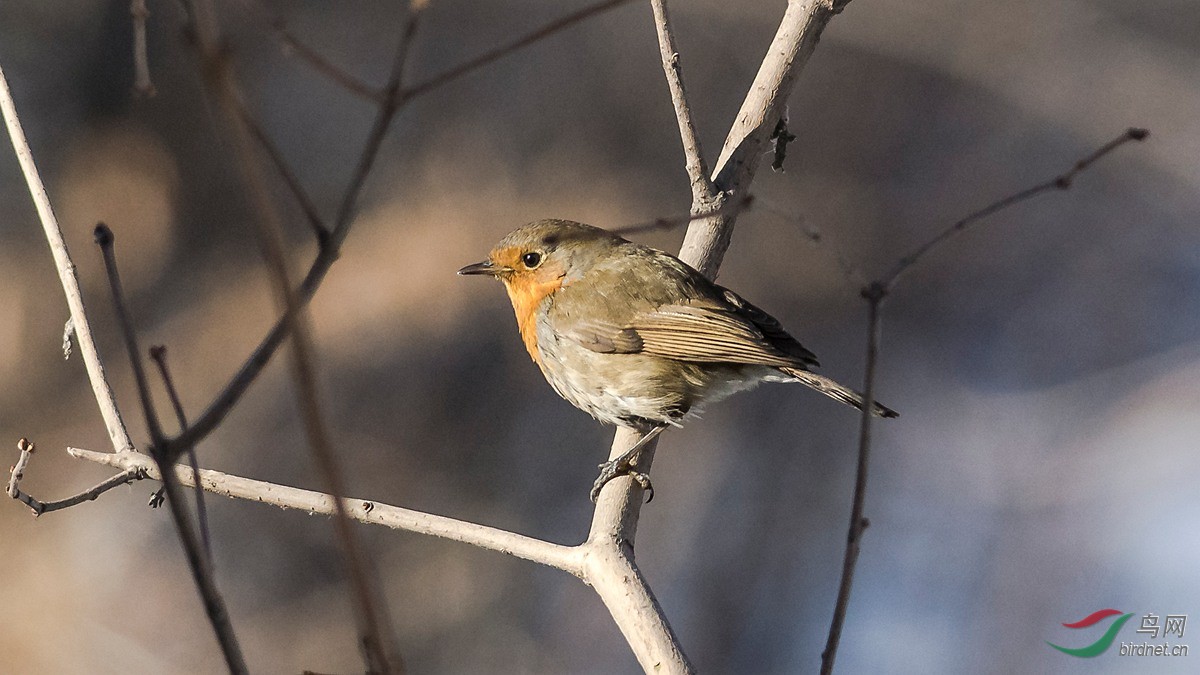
[(712, 332), (701, 330), (669, 310)]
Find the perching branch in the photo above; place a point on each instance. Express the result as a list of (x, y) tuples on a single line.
[(619, 506), (875, 293)]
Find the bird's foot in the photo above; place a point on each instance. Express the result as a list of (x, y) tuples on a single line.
[(621, 467)]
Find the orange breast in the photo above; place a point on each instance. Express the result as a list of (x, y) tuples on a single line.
[(526, 294)]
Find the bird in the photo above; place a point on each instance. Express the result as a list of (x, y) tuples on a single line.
[(636, 337)]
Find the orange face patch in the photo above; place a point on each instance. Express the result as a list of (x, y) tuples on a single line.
[(526, 289)]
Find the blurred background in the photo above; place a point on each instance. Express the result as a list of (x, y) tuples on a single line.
[(1045, 465)]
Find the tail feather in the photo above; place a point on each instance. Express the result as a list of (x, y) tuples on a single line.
[(837, 392)]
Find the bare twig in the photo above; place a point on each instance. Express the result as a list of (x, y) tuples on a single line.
[(289, 177), (117, 432), (376, 642), (1062, 181), (874, 295), (471, 65), (729, 208), (232, 392), (158, 354), (141, 62), (90, 494), (104, 238), (164, 455), (703, 191), (814, 235), (293, 45)]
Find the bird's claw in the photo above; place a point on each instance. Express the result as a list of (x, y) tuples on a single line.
[(616, 469)]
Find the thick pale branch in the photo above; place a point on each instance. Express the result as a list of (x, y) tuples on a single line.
[(618, 508), (66, 274), (566, 558), (706, 240)]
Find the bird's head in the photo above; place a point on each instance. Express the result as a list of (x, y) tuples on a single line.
[(539, 258)]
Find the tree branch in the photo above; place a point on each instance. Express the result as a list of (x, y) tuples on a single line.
[(1062, 181), (620, 501), (703, 191), (293, 45), (376, 640), (706, 240), (536, 35), (117, 432), (566, 558), (875, 293), (38, 507)]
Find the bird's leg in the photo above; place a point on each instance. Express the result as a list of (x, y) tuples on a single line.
[(624, 466)]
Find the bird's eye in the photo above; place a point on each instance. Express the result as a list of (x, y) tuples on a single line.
[(532, 259)]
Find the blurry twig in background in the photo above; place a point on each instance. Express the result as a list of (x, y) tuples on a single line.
[(605, 560), (536, 35), (1062, 181), (292, 45), (18, 472), (817, 238), (164, 455), (875, 293), (377, 642), (142, 85), (158, 354)]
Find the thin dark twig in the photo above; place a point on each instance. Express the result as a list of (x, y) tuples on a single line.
[(293, 45), (487, 57), (39, 507), (731, 207), (158, 354), (1060, 182), (389, 104), (164, 455), (231, 393), (817, 238), (104, 238), (274, 154), (874, 295), (376, 642)]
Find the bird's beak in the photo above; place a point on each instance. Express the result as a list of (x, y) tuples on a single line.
[(485, 267)]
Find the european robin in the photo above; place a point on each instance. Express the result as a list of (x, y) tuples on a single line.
[(635, 336)]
